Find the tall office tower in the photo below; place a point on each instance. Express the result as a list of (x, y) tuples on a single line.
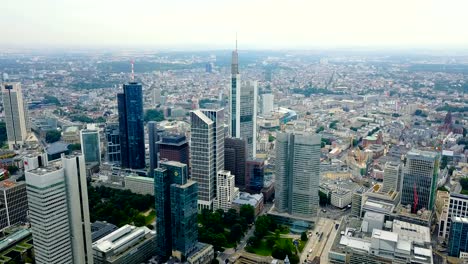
[(243, 108), (391, 180), (254, 175), (113, 143), (78, 211), (176, 207), (48, 214), (15, 114), (226, 191), (297, 174), (132, 137), (206, 152), (175, 148), (90, 145), (235, 156), (59, 213), (458, 238), (14, 200), (153, 138), (156, 95), (419, 182), (267, 103)]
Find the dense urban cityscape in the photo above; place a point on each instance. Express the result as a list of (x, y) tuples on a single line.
[(233, 155)]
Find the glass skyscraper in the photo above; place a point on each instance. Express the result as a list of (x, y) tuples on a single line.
[(458, 238), (132, 138), (90, 145), (176, 207)]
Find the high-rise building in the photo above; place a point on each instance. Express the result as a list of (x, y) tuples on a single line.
[(59, 213), (16, 117), (176, 207), (267, 103), (297, 173), (452, 205), (226, 190), (391, 180), (153, 138), (132, 138), (243, 108), (419, 182), (14, 199), (206, 152), (235, 156), (254, 175), (156, 95), (90, 145), (458, 238), (175, 148), (113, 143)]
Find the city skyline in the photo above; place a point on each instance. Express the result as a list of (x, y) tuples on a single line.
[(292, 25)]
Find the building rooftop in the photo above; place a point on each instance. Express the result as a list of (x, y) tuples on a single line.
[(246, 198), (139, 178), (57, 147), (121, 239)]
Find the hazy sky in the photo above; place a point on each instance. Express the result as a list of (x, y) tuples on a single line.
[(213, 23)]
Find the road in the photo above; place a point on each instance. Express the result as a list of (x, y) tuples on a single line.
[(314, 247)]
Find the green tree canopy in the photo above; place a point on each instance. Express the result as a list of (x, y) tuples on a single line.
[(248, 212), (53, 136), (154, 115)]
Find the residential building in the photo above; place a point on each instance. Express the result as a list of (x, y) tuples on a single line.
[(255, 175), (458, 238), (139, 184), (16, 117), (235, 155), (175, 148), (113, 143), (243, 108), (126, 245), (131, 129), (391, 180), (419, 181), (297, 173), (14, 199), (90, 145), (176, 208), (206, 152), (226, 191)]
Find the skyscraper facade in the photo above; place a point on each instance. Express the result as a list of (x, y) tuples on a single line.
[(420, 179), (235, 156), (458, 238), (175, 148), (14, 198), (254, 175), (153, 138), (176, 207), (243, 108), (59, 213), (90, 145), (113, 143), (226, 190), (297, 173), (391, 180), (207, 152), (132, 138), (15, 114), (267, 103)]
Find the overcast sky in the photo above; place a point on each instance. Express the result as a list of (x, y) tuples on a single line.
[(260, 24)]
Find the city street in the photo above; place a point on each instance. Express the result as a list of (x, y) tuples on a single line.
[(314, 247)]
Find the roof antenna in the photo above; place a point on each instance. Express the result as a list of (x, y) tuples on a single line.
[(236, 41), (133, 72)]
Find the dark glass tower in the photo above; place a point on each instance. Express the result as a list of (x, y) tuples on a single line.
[(235, 156), (132, 138)]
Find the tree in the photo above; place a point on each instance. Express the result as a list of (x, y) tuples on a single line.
[(139, 220), (74, 147), (323, 198), (262, 225), (236, 233), (53, 136), (443, 163), (100, 119), (271, 138), (48, 99), (248, 212), (320, 129), (304, 236), (154, 115), (230, 217), (215, 261)]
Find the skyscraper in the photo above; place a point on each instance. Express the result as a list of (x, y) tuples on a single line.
[(420, 179), (267, 103), (391, 180), (15, 202), (235, 156), (113, 143), (59, 213), (243, 107), (458, 238), (254, 175), (90, 145), (153, 138), (176, 207), (297, 173), (15, 114), (132, 138), (226, 192), (175, 148), (207, 152)]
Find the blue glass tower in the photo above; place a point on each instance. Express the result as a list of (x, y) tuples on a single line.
[(458, 238), (132, 138), (176, 209)]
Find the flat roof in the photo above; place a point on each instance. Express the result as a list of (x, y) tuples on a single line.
[(385, 235), (355, 243)]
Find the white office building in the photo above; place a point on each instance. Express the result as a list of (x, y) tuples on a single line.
[(226, 190), (16, 118), (139, 184), (267, 103), (391, 180)]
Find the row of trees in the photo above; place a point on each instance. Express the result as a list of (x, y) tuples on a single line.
[(154, 115), (118, 207), (224, 229)]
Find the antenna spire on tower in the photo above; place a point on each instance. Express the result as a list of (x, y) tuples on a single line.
[(133, 72), (236, 41)]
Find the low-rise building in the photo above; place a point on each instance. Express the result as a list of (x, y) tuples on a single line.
[(255, 200), (139, 184), (16, 245)]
